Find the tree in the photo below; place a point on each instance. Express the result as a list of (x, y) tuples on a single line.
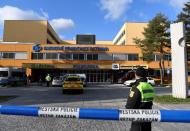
[(156, 38), (184, 16)]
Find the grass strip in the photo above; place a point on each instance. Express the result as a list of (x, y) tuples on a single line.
[(6, 98), (168, 99)]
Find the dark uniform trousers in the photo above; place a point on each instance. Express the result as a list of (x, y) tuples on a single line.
[(140, 126)]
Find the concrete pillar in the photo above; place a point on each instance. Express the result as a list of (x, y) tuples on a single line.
[(179, 61)]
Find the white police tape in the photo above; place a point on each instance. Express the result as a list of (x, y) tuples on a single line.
[(139, 115), (60, 112), (100, 114)]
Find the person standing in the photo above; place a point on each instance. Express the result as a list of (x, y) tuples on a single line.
[(48, 79), (140, 97), (28, 79)]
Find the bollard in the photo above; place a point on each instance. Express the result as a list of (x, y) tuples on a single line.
[(100, 114)]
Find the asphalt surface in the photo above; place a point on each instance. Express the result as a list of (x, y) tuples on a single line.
[(95, 96)]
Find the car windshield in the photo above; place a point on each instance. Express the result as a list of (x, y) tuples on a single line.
[(57, 78), (3, 73), (82, 79), (73, 79)]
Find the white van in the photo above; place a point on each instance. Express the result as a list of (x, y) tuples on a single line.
[(12, 76), (4, 76)]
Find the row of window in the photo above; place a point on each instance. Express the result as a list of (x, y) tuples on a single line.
[(85, 56), (157, 57), (100, 56), (79, 56), (13, 55)]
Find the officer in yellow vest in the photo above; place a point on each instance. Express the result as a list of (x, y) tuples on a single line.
[(140, 97), (48, 79)]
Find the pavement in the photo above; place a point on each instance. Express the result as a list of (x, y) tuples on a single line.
[(95, 96)]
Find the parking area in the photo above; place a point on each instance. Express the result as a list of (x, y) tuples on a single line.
[(95, 96)]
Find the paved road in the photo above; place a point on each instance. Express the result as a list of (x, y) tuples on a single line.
[(99, 96)]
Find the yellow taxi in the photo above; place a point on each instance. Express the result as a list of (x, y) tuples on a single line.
[(73, 84)]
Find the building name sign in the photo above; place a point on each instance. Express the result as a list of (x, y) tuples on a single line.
[(91, 66), (38, 66), (38, 48)]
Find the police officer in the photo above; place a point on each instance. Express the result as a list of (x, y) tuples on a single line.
[(48, 79), (140, 97)]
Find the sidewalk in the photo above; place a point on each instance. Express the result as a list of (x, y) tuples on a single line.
[(171, 106)]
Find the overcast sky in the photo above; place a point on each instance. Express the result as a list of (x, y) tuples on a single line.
[(103, 18)]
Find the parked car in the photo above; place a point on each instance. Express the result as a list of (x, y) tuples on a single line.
[(12, 76), (130, 83), (120, 81), (72, 84), (57, 81), (82, 76), (151, 81)]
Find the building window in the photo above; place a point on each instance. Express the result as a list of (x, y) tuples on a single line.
[(149, 57), (37, 56), (65, 56), (119, 56), (81, 57), (157, 57), (92, 56), (157, 72), (188, 73), (95, 56), (13, 55), (105, 56), (51, 55), (151, 73), (167, 57), (89, 56), (20, 55), (133, 57), (75, 56), (78, 57), (8, 55)]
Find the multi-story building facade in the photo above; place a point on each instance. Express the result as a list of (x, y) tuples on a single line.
[(128, 32), (34, 45), (35, 31)]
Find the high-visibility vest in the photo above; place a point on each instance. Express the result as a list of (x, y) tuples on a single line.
[(147, 92), (48, 78)]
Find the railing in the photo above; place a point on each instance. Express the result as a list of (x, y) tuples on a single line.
[(100, 114)]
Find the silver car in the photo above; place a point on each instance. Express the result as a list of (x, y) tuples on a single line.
[(57, 81), (129, 83)]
